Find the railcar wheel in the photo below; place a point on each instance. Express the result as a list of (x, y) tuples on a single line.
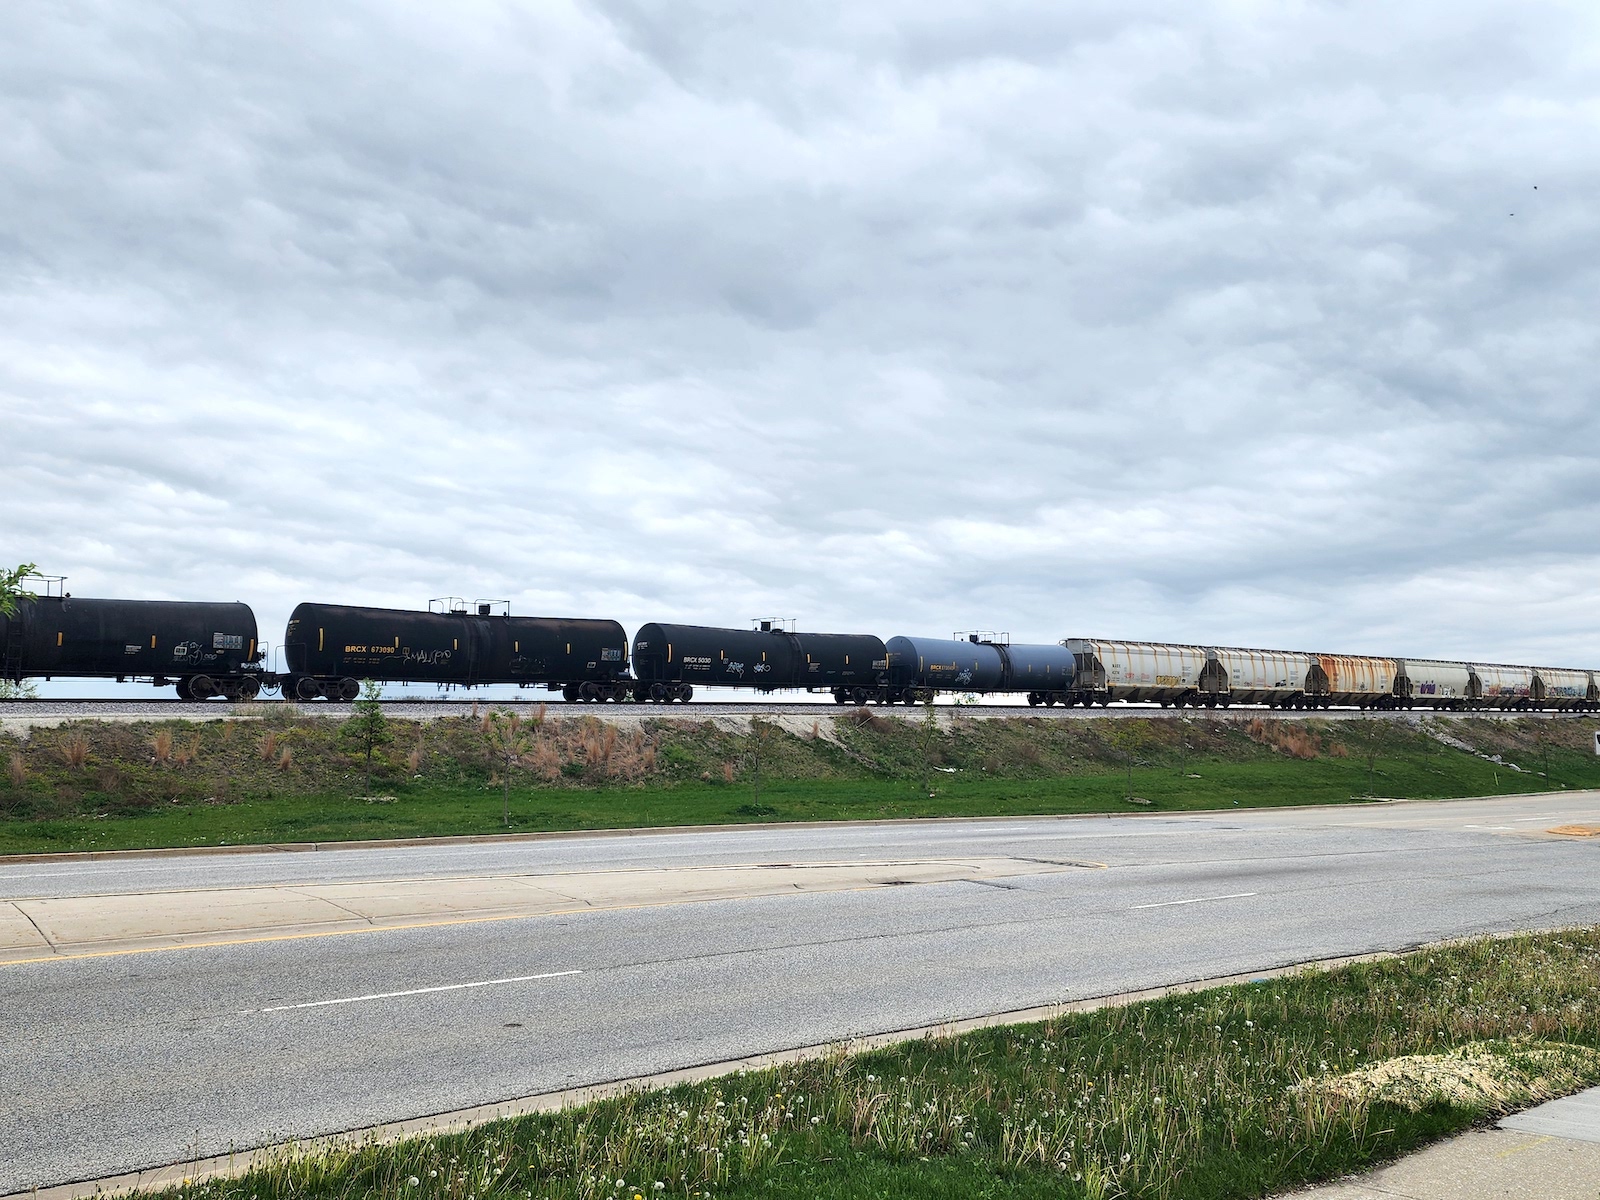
[(569, 692), (685, 693), (307, 689), (349, 689), (841, 696), (249, 688), (183, 690), (202, 687), (860, 696)]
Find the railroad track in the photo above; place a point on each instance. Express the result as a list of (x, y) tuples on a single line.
[(110, 707)]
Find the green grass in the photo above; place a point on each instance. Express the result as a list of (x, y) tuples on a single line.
[(94, 786), (1233, 1092)]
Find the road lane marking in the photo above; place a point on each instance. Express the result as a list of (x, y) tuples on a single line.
[(1198, 900), (448, 987)]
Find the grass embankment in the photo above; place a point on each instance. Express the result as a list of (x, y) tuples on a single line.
[(285, 777), (1233, 1092)]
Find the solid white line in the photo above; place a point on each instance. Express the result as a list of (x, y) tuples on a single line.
[(449, 987), (1198, 900)]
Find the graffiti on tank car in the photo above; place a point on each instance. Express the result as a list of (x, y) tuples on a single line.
[(763, 668), (735, 668), (1167, 680), (427, 658)]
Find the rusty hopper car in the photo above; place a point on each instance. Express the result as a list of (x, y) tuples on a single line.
[(670, 660), (1355, 679), (203, 649), (329, 648)]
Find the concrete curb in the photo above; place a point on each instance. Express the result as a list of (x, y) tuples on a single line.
[(489, 839), (238, 1163)]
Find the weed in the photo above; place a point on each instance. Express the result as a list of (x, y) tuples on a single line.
[(17, 769), (286, 758), (414, 761), (75, 750), (727, 772), (269, 745), (162, 745), (188, 752)]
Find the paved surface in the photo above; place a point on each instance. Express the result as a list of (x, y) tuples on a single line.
[(1547, 1153), (144, 1056), (1576, 1118)]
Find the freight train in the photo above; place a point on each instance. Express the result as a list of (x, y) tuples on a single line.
[(208, 650)]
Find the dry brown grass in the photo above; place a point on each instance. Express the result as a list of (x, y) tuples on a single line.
[(162, 745), (545, 759), (17, 769), (269, 746), (286, 758), (75, 750), (1293, 738), (414, 760), (188, 752), (727, 772)]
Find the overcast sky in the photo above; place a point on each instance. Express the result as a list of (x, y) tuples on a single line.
[(1263, 324)]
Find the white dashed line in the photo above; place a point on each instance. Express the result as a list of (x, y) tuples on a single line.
[(1198, 900), (449, 987)]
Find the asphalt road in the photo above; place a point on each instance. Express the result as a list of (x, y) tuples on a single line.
[(140, 1059)]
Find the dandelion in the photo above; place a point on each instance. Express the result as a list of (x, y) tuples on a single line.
[(413, 1181)]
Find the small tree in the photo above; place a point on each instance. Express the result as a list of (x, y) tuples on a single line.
[(11, 593), (509, 738), (930, 738), (369, 726), (11, 589)]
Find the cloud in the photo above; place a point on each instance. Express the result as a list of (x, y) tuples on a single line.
[(1201, 322)]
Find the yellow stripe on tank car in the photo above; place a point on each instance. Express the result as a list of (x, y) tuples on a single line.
[(320, 634), (153, 641), (59, 636)]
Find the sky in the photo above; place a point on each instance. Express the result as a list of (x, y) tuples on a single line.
[(1227, 323)]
